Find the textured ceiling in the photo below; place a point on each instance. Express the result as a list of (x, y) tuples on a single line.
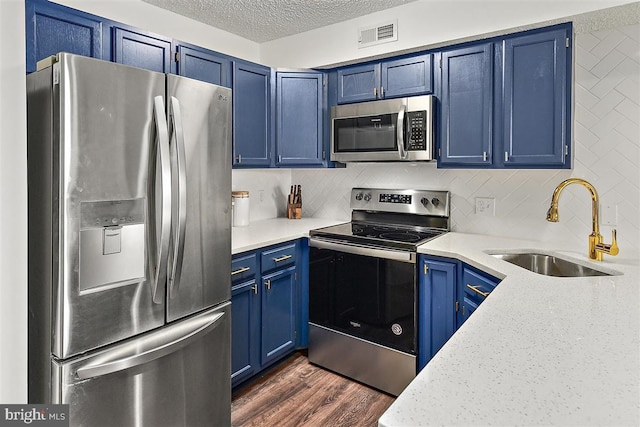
[(264, 20)]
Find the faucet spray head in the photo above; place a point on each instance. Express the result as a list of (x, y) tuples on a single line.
[(552, 213)]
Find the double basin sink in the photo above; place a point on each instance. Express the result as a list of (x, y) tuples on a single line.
[(549, 265)]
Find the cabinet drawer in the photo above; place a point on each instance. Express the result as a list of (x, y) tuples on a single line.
[(282, 256), (243, 267), (477, 286)]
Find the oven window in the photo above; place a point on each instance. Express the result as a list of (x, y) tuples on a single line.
[(373, 133), (367, 297)]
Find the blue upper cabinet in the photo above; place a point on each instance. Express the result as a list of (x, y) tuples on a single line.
[(204, 65), (252, 115), (507, 103), (142, 50), (406, 77), (536, 100), (52, 28), (299, 117), (358, 83), (388, 79), (466, 120)]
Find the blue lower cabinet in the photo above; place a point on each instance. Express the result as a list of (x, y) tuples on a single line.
[(278, 314), (266, 308), (475, 286), (245, 331), (437, 306), (449, 292)]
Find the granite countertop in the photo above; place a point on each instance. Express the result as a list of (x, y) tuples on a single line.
[(539, 351), (267, 232)]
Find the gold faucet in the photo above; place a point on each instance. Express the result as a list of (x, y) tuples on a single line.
[(596, 246)]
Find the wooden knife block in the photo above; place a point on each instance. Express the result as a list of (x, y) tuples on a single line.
[(294, 210)]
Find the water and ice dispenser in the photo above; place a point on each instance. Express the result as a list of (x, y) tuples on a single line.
[(112, 243)]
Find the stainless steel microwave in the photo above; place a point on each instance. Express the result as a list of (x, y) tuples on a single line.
[(381, 131)]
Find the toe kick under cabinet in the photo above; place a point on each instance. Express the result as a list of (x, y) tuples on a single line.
[(266, 308)]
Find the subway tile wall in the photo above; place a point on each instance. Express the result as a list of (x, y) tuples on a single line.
[(606, 153)]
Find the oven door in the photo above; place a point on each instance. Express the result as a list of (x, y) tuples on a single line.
[(368, 293)]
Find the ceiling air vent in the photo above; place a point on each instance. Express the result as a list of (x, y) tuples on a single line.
[(382, 33)]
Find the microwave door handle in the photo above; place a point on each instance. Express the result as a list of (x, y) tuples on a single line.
[(402, 151)]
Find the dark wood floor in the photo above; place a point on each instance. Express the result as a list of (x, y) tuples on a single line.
[(297, 393)]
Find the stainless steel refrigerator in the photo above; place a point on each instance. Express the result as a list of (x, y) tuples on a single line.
[(129, 175)]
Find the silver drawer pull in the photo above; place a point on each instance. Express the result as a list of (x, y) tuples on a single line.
[(282, 258), (240, 270), (478, 291)]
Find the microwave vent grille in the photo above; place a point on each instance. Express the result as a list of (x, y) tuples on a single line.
[(381, 33)]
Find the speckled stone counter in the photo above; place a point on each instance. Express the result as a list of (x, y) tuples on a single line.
[(539, 351), (267, 232)]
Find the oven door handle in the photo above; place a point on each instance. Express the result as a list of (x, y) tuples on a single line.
[(402, 256)]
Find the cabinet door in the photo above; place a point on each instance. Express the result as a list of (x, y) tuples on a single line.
[(245, 330), (251, 115), (299, 119), (201, 64), (474, 286), (358, 83), (536, 99), (142, 50), (467, 106), (52, 28), (406, 77), (278, 314), (436, 308)]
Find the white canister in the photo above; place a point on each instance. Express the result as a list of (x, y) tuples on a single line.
[(240, 205)]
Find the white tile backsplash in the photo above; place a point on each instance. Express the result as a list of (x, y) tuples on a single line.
[(606, 145)]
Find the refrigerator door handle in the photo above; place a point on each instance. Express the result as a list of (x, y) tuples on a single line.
[(152, 347), (179, 195), (160, 247)]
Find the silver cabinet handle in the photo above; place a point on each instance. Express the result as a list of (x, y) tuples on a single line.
[(282, 258), (179, 196), (478, 291), (240, 270), (149, 348), (159, 246)]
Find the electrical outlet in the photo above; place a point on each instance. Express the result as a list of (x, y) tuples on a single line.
[(261, 195), (610, 214), (485, 206)]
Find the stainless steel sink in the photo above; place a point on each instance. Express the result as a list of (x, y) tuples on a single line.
[(549, 265)]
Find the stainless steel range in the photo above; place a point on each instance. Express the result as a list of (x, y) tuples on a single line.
[(363, 285)]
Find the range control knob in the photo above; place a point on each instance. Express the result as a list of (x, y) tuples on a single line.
[(435, 201), (367, 197), (424, 201), (359, 196)]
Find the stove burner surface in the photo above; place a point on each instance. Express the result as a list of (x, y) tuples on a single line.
[(401, 237)]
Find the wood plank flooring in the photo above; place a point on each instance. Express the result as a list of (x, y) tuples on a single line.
[(297, 393)]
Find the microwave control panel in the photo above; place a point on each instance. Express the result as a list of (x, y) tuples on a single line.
[(417, 130)]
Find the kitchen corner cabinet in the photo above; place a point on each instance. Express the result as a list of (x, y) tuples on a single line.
[(449, 292), (536, 99), (506, 103), (299, 119), (394, 78), (143, 50), (252, 115), (205, 65), (52, 28), (265, 307)]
